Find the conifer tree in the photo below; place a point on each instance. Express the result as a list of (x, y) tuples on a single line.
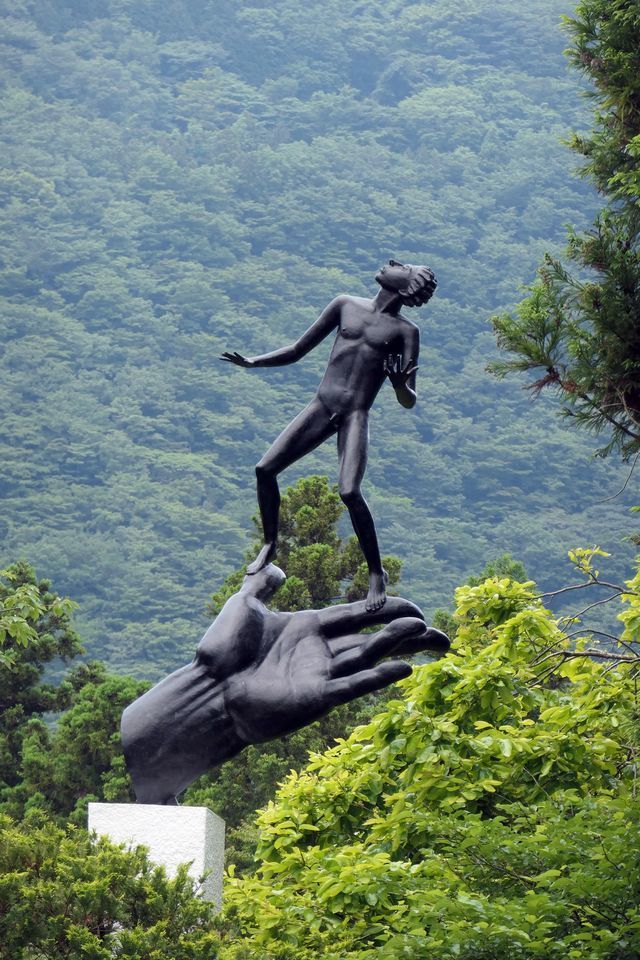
[(580, 324)]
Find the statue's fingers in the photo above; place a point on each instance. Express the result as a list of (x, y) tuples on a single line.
[(343, 689), (404, 635), (385, 639), (338, 645), (346, 618), (401, 636), (435, 642), (350, 661), (416, 640)]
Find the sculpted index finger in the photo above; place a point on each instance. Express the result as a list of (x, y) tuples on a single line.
[(402, 636), (347, 618)]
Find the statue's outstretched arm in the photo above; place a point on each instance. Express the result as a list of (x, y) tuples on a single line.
[(326, 322)]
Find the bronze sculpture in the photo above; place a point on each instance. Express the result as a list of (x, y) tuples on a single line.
[(258, 675), (373, 341)]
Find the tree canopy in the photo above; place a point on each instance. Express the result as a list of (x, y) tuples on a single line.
[(63, 896), (580, 324), (490, 810)]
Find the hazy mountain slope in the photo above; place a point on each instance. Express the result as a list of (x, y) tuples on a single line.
[(183, 178)]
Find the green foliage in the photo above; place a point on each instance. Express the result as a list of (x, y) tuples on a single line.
[(63, 896), (630, 615), (62, 769), (485, 813), (581, 329), (503, 566), (31, 616), (56, 769), (37, 631), (180, 178), (605, 48), (20, 609)]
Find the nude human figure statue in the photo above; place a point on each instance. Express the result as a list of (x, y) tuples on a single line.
[(373, 341)]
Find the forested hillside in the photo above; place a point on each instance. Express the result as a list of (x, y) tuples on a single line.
[(180, 178)]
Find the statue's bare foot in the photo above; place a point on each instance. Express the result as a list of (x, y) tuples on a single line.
[(377, 590), (265, 556)]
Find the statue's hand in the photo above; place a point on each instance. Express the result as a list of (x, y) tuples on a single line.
[(258, 675), (237, 358), (306, 673), (397, 373)]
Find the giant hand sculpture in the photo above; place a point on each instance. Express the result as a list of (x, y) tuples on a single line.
[(258, 675)]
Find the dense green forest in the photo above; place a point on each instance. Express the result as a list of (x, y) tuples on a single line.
[(188, 177), (183, 178)]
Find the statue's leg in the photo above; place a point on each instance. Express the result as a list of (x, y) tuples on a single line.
[(353, 444), (305, 432)]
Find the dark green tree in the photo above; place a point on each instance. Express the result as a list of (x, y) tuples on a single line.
[(37, 630), (580, 324), (64, 897), (54, 767), (80, 759)]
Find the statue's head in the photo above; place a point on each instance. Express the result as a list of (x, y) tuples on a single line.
[(415, 284), (265, 582)]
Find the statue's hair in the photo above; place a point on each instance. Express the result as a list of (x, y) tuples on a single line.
[(421, 287)]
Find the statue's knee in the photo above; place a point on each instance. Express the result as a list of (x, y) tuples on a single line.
[(349, 495), (263, 471)]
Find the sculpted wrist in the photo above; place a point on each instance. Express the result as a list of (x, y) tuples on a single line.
[(177, 731)]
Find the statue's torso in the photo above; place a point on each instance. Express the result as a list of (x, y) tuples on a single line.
[(355, 371)]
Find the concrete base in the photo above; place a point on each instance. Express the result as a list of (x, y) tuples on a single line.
[(173, 835)]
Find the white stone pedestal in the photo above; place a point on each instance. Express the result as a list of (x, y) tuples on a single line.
[(173, 835)]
